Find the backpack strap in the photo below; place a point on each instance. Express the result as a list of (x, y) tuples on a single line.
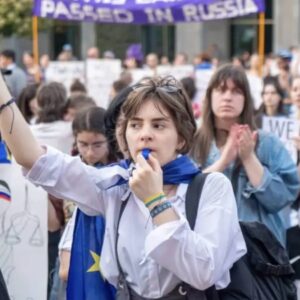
[(192, 198)]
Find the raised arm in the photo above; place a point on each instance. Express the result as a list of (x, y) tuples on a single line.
[(16, 132)]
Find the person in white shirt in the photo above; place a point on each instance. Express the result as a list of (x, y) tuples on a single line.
[(156, 248)]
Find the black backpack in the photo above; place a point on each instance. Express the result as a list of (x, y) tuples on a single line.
[(263, 273)]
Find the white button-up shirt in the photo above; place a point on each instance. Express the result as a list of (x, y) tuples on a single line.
[(154, 258)]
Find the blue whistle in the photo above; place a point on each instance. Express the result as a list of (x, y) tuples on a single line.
[(146, 152)]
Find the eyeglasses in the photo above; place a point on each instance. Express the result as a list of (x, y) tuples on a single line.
[(82, 146)]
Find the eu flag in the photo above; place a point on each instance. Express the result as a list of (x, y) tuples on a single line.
[(85, 281), (4, 155)]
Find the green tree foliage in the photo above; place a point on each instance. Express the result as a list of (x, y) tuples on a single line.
[(16, 17)]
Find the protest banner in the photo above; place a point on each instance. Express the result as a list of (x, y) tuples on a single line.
[(23, 235), (145, 11), (65, 72), (286, 129), (100, 75)]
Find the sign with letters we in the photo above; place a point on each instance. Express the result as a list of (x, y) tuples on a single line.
[(286, 129)]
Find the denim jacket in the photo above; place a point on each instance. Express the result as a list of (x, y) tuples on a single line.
[(279, 186)]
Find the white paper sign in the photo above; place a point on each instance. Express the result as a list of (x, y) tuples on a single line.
[(285, 129), (66, 72), (23, 235), (139, 74), (256, 86), (202, 78), (178, 72), (100, 74)]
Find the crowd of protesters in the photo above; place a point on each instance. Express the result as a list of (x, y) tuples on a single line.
[(229, 140)]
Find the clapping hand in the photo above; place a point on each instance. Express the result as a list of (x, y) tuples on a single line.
[(246, 142)]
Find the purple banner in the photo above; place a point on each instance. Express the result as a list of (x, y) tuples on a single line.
[(145, 11)]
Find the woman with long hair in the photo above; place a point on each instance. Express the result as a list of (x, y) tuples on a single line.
[(272, 97), (263, 175)]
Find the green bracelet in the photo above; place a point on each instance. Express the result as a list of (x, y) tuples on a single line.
[(155, 200)]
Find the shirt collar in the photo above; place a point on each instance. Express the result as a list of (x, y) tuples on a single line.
[(181, 192)]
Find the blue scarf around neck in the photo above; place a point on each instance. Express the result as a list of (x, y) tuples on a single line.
[(180, 170)]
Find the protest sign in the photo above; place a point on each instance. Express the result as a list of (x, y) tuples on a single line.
[(139, 74), (256, 86), (286, 129), (65, 72), (23, 235), (178, 72), (100, 75), (202, 78)]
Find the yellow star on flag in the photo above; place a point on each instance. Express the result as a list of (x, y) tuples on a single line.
[(96, 266)]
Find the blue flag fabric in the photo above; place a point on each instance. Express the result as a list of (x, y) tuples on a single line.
[(4, 155), (85, 281), (180, 170)]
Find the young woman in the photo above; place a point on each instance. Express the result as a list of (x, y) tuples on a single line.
[(154, 245), (272, 97), (84, 231), (263, 174)]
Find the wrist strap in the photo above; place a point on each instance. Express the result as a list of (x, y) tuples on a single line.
[(12, 100), (3, 106), (160, 208)]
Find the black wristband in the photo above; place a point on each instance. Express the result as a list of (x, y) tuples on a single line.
[(12, 100)]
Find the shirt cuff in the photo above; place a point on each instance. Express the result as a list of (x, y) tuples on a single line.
[(250, 189)]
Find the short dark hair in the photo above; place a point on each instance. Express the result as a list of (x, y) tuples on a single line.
[(79, 102), (52, 99), (8, 53), (91, 119), (119, 85), (77, 86), (189, 86), (168, 93)]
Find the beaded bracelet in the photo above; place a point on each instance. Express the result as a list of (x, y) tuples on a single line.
[(6, 104), (160, 208)]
